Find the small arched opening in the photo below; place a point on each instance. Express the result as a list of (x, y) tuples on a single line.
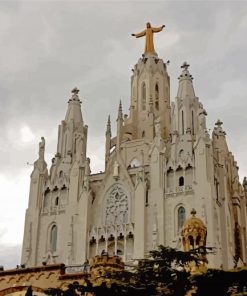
[(181, 181)]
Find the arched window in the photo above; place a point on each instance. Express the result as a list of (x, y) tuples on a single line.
[(181, 217), (181, 181), (56, 201), (53, 238), (156, 96), (144, 96), (181, 153), (134, 163)]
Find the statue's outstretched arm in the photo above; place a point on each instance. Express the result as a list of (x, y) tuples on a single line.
[(158, 29), (143, 33)]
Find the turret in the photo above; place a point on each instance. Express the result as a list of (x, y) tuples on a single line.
[(188, 114), (150, 93), (72, 134)]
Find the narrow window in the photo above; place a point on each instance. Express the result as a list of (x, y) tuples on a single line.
[(144, 96), (198, 239), (146, 197), (182, 122), (65, 145), (181, 217), (217, 189), (53, 238), (192, 122), (156, 96), (181, 181), (191, 242), (56, 201)]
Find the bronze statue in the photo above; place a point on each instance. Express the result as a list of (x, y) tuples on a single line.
[(149, 45)]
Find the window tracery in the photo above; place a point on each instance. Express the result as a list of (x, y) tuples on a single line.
[(116, 207)]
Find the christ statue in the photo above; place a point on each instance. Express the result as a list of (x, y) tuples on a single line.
[(149, 45)]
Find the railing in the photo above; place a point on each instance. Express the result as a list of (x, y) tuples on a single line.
[(179, 189), (72, 269)]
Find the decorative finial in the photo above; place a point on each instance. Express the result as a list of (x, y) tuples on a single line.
[(42, 148), (193, 212), (219, 123), (75, 91), (185, 66)]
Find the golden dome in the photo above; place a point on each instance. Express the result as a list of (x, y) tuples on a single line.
[(193, 225)]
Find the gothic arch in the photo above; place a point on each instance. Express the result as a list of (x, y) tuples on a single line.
[(135, 162), (52, 237), (179, 218)]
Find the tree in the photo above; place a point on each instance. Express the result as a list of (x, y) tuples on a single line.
[(165, 272)]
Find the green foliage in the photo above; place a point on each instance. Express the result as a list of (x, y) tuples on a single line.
[(220, 282), (165, 272)]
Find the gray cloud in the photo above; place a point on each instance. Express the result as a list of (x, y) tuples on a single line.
[(10, 255), (49, 47)]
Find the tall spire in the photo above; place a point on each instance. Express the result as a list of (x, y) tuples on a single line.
[(74, 107), (120, 110), (108, 126), (185, 88)]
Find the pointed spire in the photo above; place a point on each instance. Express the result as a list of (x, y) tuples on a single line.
[(120, 110), (185, 88), (108, 126), (74, 108)]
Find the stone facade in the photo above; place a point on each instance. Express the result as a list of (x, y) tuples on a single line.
[(160, 165)]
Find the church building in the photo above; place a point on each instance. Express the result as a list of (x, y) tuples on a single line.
[(161, 164)]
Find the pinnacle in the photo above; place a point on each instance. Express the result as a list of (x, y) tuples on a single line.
[(108, 126), (120, 110), (185, 73), (185, 83), (74, 107)]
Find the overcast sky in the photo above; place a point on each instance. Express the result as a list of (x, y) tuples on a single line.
[(48, 48)]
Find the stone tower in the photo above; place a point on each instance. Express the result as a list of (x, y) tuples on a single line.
[(161, 164), (54, 214)]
